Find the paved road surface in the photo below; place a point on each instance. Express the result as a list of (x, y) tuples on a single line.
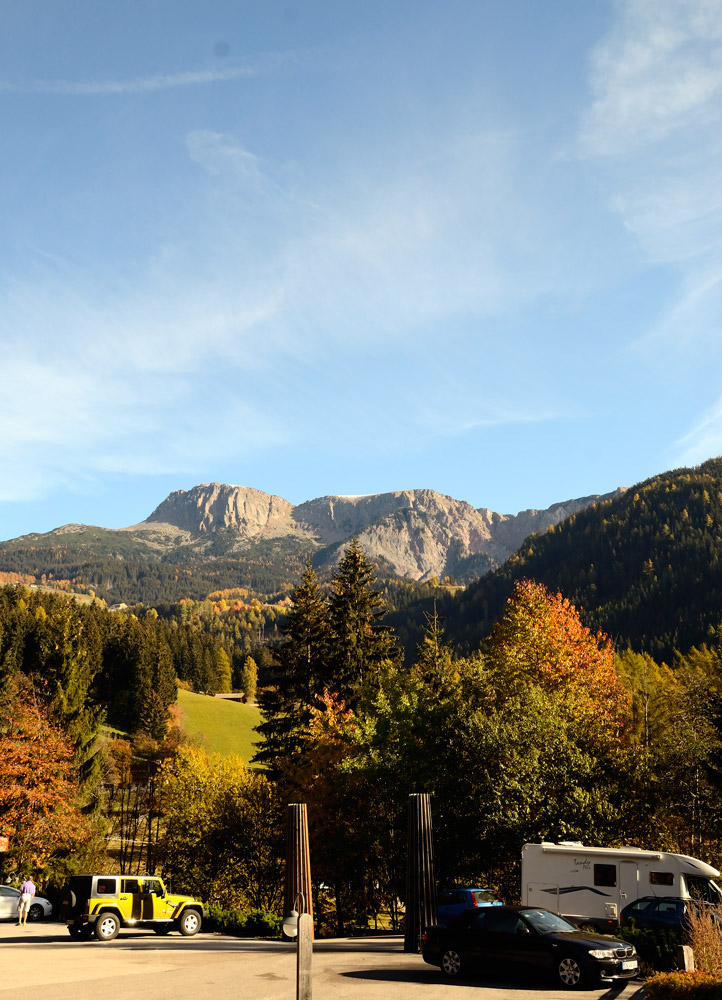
[(42, 962)]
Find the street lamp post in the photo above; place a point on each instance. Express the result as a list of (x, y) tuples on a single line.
[(299, 925)]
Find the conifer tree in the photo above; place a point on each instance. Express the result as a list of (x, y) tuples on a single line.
[(360, 643), (300, 673)]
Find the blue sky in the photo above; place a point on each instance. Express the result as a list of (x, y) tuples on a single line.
[(326, 246)]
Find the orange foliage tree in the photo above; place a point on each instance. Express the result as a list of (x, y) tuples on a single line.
[(38, 786), (541, 640)]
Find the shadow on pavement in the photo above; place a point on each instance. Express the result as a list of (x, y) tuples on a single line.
[(424, 975)]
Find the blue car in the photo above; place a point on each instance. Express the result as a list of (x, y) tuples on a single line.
[(454, 901)]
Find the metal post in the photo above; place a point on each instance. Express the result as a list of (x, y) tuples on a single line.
[(420, 880), (304, 951)]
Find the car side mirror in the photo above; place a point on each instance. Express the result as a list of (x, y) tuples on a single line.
[(523, 930)]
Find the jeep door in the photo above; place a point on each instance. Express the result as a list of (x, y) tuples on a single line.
[(158, 907), (130, 901)]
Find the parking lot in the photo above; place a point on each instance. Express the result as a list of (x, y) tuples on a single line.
[(42, 958)]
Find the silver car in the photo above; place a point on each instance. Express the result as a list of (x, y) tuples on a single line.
[(39, 908)]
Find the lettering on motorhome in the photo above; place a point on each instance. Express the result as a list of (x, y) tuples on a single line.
[(584, 863)]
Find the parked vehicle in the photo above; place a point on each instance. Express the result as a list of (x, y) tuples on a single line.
[(522, 940), (660, 913), (591, 885), (39, 908), (102, 904), (452, 902)]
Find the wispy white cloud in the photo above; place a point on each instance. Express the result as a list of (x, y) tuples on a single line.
[(138, 85), (703, 441), (658, 72), (653, 133), (269, 268)]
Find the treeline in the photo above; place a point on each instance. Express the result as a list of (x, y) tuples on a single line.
[(124, 665), (548, 734), (545, 733), (121, 574), (646, 567)]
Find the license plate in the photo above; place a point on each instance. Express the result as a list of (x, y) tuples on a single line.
[(631, 964)]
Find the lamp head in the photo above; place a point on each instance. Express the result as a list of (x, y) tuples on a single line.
[(290, 924)]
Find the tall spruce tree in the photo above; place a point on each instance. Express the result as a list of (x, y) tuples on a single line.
[(360, 643), (301, 673)]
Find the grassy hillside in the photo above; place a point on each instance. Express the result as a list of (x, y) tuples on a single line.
[(221, 726)]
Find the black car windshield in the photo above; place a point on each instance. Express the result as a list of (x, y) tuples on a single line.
[(547, 923)]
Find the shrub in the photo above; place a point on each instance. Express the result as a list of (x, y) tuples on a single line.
[(244, 923), (683, 986), (704, 928), (656, 949)]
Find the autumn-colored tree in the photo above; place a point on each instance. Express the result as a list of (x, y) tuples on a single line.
[(249, 678), (223, 833), (541, 640), (38, 784)]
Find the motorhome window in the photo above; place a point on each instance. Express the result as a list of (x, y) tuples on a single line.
[(661, 878), (605, 875), (702, 888)]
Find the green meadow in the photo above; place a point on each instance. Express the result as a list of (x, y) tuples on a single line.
[(223, 727)]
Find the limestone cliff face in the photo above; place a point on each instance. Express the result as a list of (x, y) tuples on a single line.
[(210, 506), (419, 534)]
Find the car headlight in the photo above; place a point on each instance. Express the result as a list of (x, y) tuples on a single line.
[(602, 953)]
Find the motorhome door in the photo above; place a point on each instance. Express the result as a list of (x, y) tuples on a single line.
[(628, 882)]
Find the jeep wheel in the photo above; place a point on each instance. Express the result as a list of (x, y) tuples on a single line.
[(190, 923), (107, 927)]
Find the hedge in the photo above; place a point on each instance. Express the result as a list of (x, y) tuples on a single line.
[(243, 923), (683, 986)]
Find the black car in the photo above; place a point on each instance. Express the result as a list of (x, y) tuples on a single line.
[(523, 940)]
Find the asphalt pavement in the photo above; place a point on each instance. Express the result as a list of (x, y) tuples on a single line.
[(42, 961)]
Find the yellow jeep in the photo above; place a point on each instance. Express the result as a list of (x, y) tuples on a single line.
[(102, 904)]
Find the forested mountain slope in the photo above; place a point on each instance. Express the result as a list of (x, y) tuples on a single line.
[(646, 566)]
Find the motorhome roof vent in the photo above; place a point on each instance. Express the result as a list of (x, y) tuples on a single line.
[(571, 843)]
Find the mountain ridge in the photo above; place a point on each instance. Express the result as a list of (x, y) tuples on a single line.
[(417, 534)]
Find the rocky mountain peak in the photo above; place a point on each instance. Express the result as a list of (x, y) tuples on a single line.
[(212, 506)]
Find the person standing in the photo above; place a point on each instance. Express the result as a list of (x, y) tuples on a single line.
[(27, 891)]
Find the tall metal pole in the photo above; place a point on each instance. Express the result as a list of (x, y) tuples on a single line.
[(420, 880)]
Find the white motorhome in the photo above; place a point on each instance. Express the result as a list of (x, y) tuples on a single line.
[(593, 884)]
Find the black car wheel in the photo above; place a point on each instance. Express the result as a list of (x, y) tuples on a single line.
[(35, 912), (569, 972), (451, 963)]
